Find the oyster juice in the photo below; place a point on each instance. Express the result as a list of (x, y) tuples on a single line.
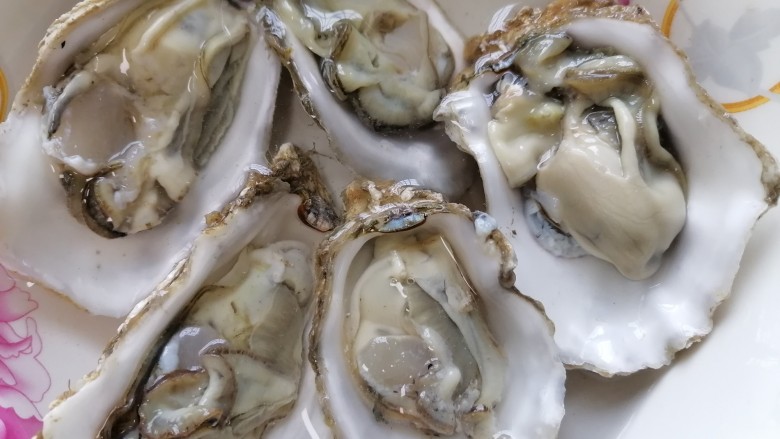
[(234, 363), (418, 339)]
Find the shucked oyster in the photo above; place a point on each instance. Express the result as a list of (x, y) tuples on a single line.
[(614, 173), (418, 330), (217, 350), (580, 122), (133, 107), (371, 73)]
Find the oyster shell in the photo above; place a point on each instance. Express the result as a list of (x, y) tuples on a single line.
[(216, 350), (618, 155), (363, 66), (126, 148), (418, 330)]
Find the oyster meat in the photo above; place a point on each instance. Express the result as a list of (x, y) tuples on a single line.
[(385, 57), (218, 349), (143, 108), (600, 135), (613, 173), (418, 330), (135, 122), (235, 360), (371, 73)]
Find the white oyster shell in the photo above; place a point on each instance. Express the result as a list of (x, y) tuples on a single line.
[(423, 155), (605, 322), (43, 241), (530, 404), (264, 217)]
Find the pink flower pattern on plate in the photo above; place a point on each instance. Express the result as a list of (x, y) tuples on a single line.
[(23, 379)]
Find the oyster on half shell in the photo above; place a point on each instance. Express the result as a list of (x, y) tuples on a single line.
[(370, 73), (630, 193), (218, 349), (132, 108), (418, 330)]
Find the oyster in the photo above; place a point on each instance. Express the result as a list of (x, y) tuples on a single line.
[(132, 108), (418, 329), (216, 350), (371, 73), (613, 172)]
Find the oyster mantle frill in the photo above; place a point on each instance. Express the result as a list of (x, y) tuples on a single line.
[(55, 178), (603, 75), (141, 110), (418, 330)]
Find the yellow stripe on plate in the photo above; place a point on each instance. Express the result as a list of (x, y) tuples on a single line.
[(747, 104), (671, 11), (3, 95)]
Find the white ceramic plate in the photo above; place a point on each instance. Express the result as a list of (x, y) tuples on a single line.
[(726, 387)]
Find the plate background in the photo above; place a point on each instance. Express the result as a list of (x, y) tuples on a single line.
[(726, 387)]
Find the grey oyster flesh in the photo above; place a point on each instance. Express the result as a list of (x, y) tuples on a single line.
[(383, 56), (420, 348), (233, 363), (581, 131), (142, 110)]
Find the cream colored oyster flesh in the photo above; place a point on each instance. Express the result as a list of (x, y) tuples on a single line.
[(234, 363)]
